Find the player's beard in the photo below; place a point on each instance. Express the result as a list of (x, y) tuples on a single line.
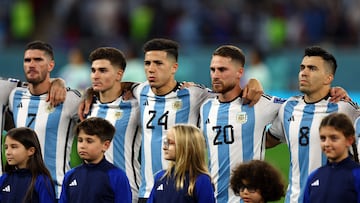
[(37, 80), (222, 89)]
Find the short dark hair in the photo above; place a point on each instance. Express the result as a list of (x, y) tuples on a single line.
[(159, 44), (260, 175), (115, 56), (328, 57), (40, 45), (98, 127), (231, 51)]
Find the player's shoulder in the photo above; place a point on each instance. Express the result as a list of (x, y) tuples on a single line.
[(350, 103), (273, 99), (74, 92)]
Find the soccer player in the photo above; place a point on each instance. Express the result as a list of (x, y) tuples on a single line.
[(53, 124), (233, 131), (163, 103), (107, 69), (297, 123)]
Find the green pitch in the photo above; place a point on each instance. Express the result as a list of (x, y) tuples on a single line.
[(279, 158)]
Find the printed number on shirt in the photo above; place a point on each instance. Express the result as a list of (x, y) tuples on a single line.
[(224, 134), (304, 136), (31, 119), (162, 121)]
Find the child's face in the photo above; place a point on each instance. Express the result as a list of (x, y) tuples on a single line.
[(90, 148), (250, 194), (169, 146), (16, 153), (334, 144)]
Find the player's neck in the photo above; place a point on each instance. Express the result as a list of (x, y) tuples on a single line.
[(110, 95), (165, 89), (316, 96), (40, 88), (230, 95)]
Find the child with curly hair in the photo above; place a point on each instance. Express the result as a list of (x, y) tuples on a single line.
[(257, 182)]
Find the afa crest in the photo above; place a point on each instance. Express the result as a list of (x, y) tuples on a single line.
[(241, 117), (49, 109), (118, 114), (177, 105)]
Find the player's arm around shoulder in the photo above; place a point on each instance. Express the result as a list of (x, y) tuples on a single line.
[(72, 101)]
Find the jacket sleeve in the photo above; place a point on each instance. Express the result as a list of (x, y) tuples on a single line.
[(204, 190), (306, 198), (356, 174), (120, 185), (45, 189), (63, 196)]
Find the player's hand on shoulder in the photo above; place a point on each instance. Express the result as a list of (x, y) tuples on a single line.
[(57, 92), (85, 104), (252, 92), (339, 93)]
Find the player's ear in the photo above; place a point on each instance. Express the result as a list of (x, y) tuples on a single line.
[(329, 78), (119, 74), (240, 72)]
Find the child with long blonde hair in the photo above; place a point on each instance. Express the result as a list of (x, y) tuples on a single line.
[(187, 178)]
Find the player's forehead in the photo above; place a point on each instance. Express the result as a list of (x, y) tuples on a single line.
[(220, 61), (101, 63), (156, 55), (34, 53), (312, 61)]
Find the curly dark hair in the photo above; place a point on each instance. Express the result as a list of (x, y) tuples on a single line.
[(260, 175)]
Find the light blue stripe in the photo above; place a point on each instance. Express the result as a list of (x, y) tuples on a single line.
[(248, 133), (51, 138), (288, 111), (304, 150), (157, 133), (182, 116), (16, 102), (119, 140), (223, 152), (205, 116), (143, 101)]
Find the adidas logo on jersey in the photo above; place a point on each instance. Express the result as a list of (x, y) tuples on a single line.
[(160, 187), (291, 118), (6, 189), (146, 103), (207, 121), (315, 183), (73, 183), (19, 105)]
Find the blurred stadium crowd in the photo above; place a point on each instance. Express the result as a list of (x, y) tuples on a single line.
[(267, 23), (282, 28)]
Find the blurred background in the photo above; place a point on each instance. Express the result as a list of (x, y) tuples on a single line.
[(272, 33)]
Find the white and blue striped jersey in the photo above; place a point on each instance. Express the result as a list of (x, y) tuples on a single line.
[(297, 124), (53, 125), (6, 87), (234, 133), (158, 114), (357, 134), (125, 147)]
